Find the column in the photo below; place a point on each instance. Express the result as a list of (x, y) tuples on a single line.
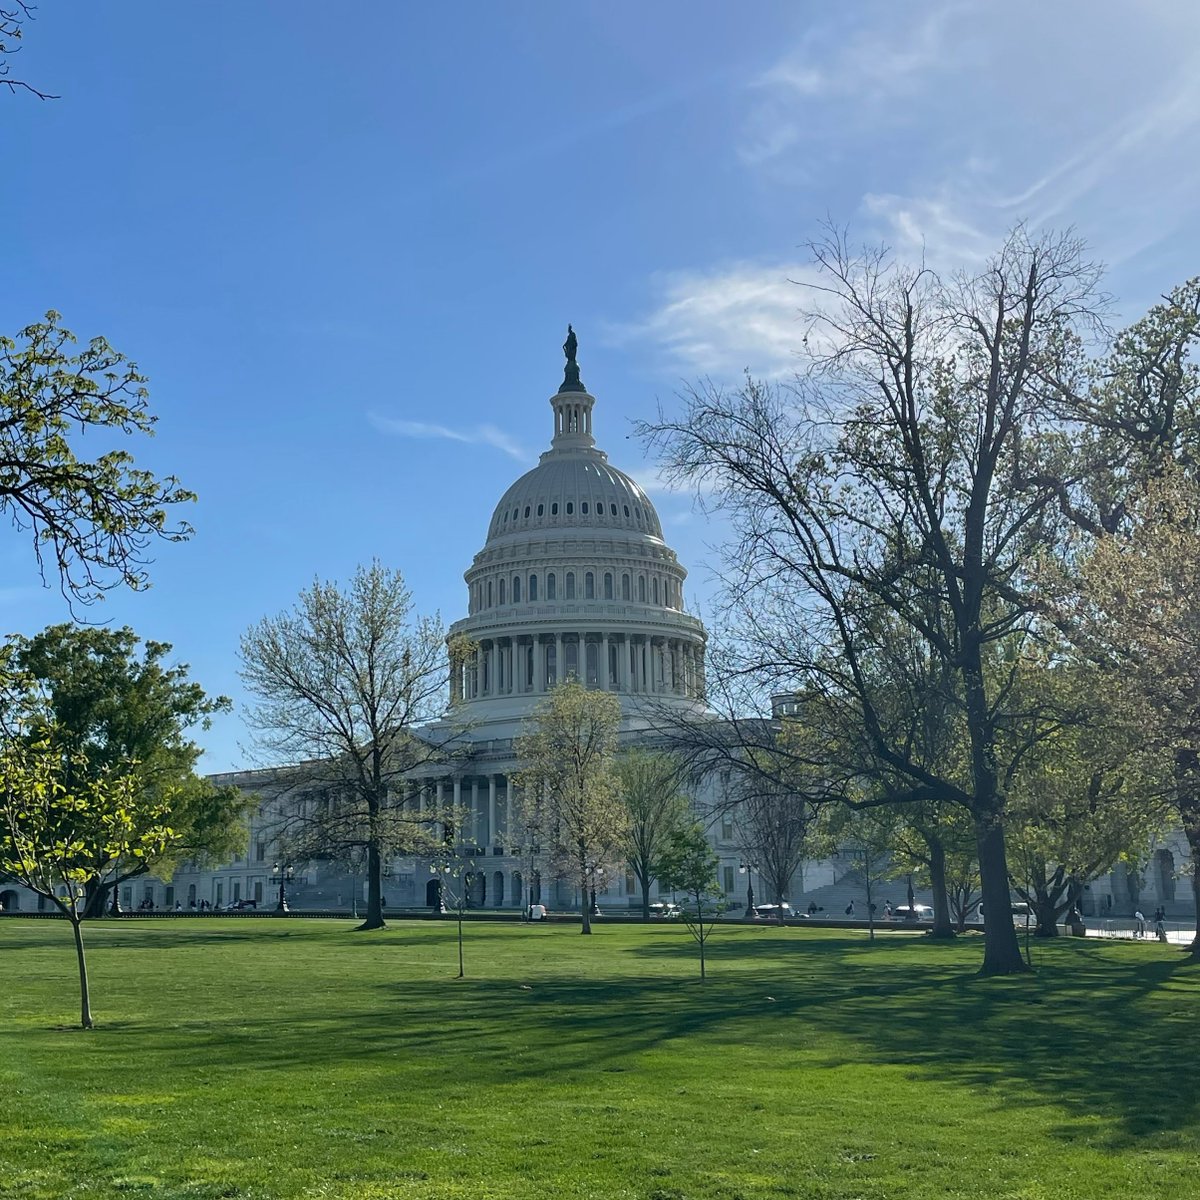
[(623, 664), (491, 829), (493, 663), (603, 675), (558, 658), (457, 807)]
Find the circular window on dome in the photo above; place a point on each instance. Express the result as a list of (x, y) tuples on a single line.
[(583, 508), (527, 512), (554, 509), (612, 510), (541, 509), (627, 512), (570, 508)]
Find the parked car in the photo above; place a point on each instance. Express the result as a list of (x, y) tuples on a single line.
[(770, 912), (918, 912), (664, 912), (239, 905)]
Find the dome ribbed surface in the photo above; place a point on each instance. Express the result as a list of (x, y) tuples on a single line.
[(574, 490)]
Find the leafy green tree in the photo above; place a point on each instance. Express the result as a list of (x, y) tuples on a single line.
[(688, 864), (657, 808), (52, 834), (115, 704), (92, 520), (344, 680), (567, 767)]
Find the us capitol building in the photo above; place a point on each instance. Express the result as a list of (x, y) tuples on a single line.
[(574, 579)]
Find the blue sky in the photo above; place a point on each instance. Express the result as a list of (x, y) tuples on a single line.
[(344, 242)]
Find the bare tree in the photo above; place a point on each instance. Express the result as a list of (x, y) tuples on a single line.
[(13, 15), (772, 828), (344, 682), (881, 488)]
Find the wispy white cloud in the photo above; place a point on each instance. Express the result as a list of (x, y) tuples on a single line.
[(866, 70), (479, 435), (726, 320)]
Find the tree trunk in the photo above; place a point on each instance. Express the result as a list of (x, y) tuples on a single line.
[(374, 887), (1187, 793), (942, 927), (700, 930), (646, 898), (585, 893), (1001, 949), (85, 999), (1046, 913), (95, 895)]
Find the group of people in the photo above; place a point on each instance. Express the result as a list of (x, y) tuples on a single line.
[(1160, 928)]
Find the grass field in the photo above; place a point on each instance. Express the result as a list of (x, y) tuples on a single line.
[(263, 1058)]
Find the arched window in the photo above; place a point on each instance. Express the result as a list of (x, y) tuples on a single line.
[(612, 509), (516, 589), (502, 591), (583, 508), (589, 586), (532, 588), (608, 585), (570, 507), (656, 589), (641, 590), (551, 589), (527, 512), (489, 594), (554, 509), (625, 586), (570, 585)]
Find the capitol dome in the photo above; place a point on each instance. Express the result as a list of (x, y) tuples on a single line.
[(575, 581)]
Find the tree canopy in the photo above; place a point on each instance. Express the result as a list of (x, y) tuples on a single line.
[(92, 520)]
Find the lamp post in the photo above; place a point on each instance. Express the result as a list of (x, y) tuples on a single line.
[(748, 869), (282, 874)]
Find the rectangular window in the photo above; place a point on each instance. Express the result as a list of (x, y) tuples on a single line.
[(237, 891), (169, 898), (260, 851), (218, 893), (728, 873), (608, 585), (258, 891), (630, 883), (570, 585), (726, 826)]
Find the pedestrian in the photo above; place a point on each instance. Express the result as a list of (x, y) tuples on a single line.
[(812, 908), (887, 910), (1140, 919), (850, 909), (1160, 927)]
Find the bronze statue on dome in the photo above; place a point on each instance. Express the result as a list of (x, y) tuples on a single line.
[(571, 381)]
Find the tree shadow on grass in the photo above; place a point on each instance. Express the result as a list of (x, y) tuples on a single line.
[(1099, 1032)]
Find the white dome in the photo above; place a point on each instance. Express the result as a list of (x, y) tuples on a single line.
[(574, 489)]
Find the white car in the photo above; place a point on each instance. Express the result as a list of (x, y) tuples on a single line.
[(918, 912)]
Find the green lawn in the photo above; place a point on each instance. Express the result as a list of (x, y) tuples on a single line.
[(265, 1058)]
